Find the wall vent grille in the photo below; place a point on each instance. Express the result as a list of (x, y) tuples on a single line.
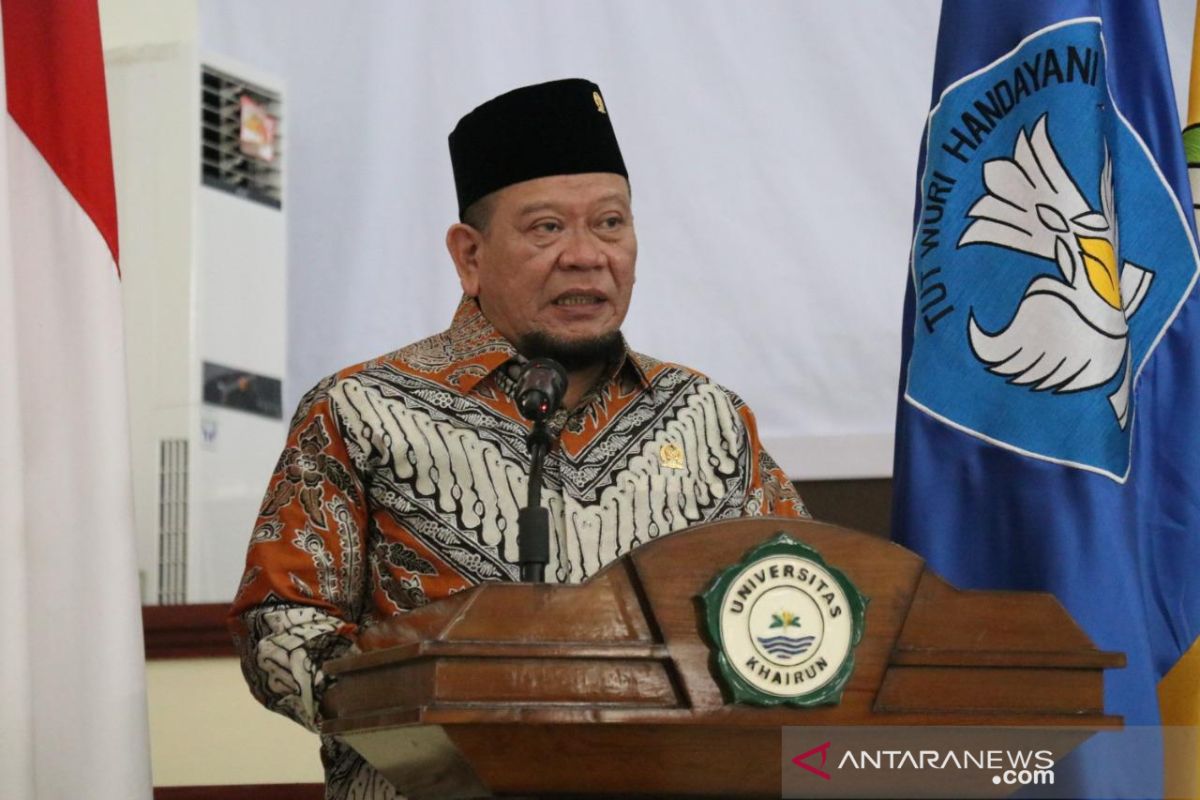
[(172, 521), (223, 163)]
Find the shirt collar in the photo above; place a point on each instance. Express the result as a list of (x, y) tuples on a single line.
[(474, 341)]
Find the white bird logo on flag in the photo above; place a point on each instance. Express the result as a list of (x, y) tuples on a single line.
[(1071, 334)]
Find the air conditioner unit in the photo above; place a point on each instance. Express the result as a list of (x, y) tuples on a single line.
[(199, 158)]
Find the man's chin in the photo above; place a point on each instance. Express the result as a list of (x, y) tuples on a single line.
[(574, 354)]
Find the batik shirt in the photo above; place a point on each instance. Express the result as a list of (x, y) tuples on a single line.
[(401, 480)]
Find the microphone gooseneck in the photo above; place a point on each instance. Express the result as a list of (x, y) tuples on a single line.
[(539, 393)]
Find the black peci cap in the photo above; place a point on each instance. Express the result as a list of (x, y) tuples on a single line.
[(556, 128)]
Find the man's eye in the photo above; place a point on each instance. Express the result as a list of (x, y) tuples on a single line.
[(612, 223), (548, 226)]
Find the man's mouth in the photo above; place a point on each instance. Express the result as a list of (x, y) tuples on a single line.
[(577, 300)]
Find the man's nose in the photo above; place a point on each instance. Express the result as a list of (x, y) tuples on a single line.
[(581, 250)]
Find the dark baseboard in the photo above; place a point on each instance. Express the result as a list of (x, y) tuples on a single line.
[(195, 631), (254, 791)]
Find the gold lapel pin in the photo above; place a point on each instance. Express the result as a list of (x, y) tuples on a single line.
[(670, 456), (599, 101)]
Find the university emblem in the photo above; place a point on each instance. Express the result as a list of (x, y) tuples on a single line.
[(1049, 256), (784, 625)]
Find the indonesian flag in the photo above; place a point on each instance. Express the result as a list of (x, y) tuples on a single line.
[(72, 683)]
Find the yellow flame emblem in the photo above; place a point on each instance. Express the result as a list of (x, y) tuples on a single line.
[(1100, 261)]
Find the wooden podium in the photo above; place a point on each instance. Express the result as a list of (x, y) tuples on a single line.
[(609, 687)]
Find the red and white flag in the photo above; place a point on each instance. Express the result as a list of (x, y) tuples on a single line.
[(72, 680)]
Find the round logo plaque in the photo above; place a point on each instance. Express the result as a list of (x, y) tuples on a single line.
[(784, 625)]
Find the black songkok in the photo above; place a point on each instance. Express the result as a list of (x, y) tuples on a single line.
[(556, 128)]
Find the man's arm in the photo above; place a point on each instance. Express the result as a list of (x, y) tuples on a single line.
[(304, 587), (769, 492)]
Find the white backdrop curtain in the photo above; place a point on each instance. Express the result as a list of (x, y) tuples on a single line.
[(772, 152)]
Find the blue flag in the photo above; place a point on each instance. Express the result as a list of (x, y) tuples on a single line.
[(1048, 429)]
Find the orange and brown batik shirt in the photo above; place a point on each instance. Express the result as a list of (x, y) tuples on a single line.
[(402, 477)]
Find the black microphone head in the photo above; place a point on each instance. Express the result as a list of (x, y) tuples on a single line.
[(541, 388)]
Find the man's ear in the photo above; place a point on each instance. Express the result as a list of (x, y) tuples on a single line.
[(464, 243)]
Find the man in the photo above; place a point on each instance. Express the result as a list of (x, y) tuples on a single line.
[(402, 477)]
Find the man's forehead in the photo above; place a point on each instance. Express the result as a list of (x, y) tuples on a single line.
[(560, 191)]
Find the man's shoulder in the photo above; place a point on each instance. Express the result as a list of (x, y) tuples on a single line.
[(430, 355), (426, 356)]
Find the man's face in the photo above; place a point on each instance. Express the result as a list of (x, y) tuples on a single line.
[(556, 260)]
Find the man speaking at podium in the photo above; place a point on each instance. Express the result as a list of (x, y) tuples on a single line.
[(402, 477)]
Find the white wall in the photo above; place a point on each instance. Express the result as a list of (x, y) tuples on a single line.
[(206, 729), (771, 145), (149, 52)]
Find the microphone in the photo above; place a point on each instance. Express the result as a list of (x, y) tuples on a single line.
[(540, 389)]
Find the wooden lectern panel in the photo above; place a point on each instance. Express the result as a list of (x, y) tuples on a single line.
[(609, 688), (888, 578)]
